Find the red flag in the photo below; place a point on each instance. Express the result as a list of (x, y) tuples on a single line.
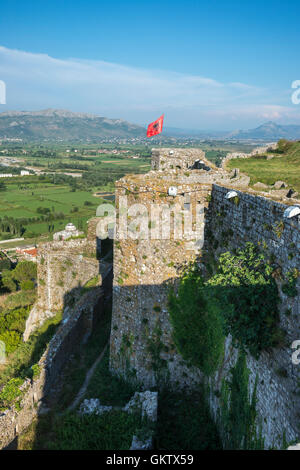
[(155, 127)]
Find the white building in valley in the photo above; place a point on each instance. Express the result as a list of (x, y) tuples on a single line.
[(69, 231)]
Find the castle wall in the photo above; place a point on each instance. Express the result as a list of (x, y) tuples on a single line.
[(169, 158), (257, 151), (144, 270), (259, 220), (63, 267)]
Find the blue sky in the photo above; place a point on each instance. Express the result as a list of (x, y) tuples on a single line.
[(209, 65)]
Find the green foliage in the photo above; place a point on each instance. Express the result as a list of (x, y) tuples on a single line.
[(11, 393), (93, 282), (27, 285), (278, 228), (197, 323), (25, 271), (12, 326), (19, 299), (109, 388), (8, 280), (284, 146), (12, 339), (238, 410), (23, 275), (4, 263), (283, 167), (36, 370), (29, 353), (289, 288), (249, 299), (110, 431)]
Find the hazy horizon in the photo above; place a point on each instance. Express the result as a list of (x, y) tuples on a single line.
[(196, 63)]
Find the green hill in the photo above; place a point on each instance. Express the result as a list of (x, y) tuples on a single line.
[(284, 165)]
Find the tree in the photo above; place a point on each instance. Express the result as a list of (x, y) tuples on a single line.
[(8, 281), (27, 285), (25, 271), (284, 145)]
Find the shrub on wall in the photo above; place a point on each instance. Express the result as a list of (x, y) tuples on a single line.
[(197, 323), (249, 298)]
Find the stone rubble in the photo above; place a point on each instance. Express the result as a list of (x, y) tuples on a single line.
[(93, 405), (146, 402)]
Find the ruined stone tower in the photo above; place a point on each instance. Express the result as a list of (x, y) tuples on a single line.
[(149, 258)]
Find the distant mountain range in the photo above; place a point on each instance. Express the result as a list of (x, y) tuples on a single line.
[(268, 131), (54, 125), (62, 125)]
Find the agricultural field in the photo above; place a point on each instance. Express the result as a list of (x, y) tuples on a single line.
[(29, 201), (68, 181), (66, 184)]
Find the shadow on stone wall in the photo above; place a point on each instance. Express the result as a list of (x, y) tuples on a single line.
[(77, 325)]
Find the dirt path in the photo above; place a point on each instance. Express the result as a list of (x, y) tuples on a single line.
[(88, 377)]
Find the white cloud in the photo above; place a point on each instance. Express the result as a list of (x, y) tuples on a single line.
[(36, 81)]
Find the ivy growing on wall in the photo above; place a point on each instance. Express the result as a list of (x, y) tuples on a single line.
[(155, 347), (238, 410), (248, 298), (289, 288), (241, 298)]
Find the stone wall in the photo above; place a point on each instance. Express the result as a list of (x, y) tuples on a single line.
[(143, 271), (260, 221), (63, 267), (92, 238), (141, 335), (145, 267), (256, 151), (181, 159)]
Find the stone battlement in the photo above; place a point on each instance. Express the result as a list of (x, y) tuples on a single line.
[(180, 159)]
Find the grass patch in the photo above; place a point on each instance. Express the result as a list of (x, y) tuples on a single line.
[(284, 167), (110, 389), (110, 431), (18, 299)]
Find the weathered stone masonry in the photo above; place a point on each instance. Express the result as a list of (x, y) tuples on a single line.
[(141, 338), (260, 221), (63, 266)]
